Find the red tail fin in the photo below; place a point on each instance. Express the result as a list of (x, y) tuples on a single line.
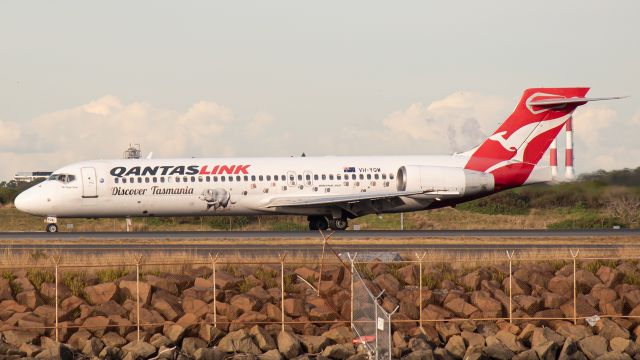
[(513, 150)]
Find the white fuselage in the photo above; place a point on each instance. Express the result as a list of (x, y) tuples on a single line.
[(229, 186)]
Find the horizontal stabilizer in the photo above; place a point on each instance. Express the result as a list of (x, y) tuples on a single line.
[(575, 100)]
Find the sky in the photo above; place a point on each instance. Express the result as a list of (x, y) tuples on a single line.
[(83, 80)]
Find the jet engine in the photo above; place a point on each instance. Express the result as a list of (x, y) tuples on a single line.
[(443, 180)]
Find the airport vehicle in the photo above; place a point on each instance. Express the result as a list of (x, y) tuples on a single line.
[(329, 190)]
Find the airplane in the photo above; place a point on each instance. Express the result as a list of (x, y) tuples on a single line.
[(329, 190)]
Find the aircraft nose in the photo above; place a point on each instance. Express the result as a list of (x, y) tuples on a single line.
[(27, 201)]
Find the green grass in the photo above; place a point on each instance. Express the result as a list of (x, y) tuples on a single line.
[(38, 277), (75, 282), (111, 275)]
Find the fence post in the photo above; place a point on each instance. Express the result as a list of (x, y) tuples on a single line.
[(324, 244), (138, 259), (420, 288), (213, 278), (56, 261), (352, 260), (282, 257), (510, 256), (575, 296)]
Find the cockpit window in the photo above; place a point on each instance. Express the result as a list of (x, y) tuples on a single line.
[(64, 178)]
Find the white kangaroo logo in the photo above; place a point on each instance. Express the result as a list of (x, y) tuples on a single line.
[(523, 136)]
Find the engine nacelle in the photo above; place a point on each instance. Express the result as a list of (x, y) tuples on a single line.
[(443, 180)]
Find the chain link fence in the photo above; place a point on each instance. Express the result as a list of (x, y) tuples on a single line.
[(61, 295)]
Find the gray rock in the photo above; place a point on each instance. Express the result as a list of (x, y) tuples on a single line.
[(314, 344), (614, 355), (339, 351), (239, 341), (139, 349), (93, 347), (593, 346), (191, 344), (271, 355), (419, 355), (570, 351), (288, 345), (209, 354), (527, 355), (112, 339), (263, 339), (456, 346), (547, 351), (498, 351)]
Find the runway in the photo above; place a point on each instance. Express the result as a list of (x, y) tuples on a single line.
[(292, 235), (253, 242)]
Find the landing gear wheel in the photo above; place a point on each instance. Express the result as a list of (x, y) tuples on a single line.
[(339, 224), (52, 228), (318, 223)]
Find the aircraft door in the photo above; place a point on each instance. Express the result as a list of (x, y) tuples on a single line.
[(89, 182), (308, 178), (291, 178)]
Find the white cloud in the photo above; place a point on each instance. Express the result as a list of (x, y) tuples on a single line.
[(104, 127), (458, 122), (589, 122), (10, 134), (259, 124)]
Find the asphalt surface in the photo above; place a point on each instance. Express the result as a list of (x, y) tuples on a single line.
[(292, 235), (363, 241)]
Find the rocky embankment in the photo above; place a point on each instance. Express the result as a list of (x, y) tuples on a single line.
[(98, 313)]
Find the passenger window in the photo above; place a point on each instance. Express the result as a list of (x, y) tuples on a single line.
[(208, 179), (324, 177), (146, 179), (384, 176), (238, 177), (193, 179), (155, 179), (307, 177), (260, 178), (185, 178), (368, 176), (124, 180), (230, 178), (391, 176), (353, 176), (246, 178), (330, 176), (253, 178), (376, 176), (361, 176), (199, 178), (222, 178), (299, 177), (162, 179), (291, 178), (139, 180), (268, 177), (132, 180), (177, 179), (275, 177), (116, 180), (315, 177), (215, 179), (339, 177), (283, 177)]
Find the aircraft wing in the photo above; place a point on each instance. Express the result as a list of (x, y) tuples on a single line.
[(334, 199)]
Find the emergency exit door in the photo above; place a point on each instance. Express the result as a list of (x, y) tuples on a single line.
[(89, 183)]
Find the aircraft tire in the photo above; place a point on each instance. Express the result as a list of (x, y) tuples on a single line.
[(318, 223), (52, 228), (339, 224)]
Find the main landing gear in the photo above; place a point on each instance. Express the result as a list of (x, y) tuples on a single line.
[(322, 223), (52, 225)]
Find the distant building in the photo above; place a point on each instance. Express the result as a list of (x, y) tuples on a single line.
[(24, 176), (133, 152)]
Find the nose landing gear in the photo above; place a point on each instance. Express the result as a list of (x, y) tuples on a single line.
[(52, 225), (322, 223)]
